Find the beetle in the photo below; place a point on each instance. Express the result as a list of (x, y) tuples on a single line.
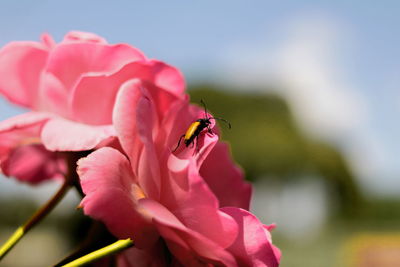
[(194, 130)]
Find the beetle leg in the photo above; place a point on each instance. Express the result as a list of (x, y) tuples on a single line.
[(179, 142), (192, 144), (197, 149)]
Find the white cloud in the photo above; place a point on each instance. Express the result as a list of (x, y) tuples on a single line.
[(303, 66)]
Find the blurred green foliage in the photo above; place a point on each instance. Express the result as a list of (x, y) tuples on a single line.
[(267, 143)]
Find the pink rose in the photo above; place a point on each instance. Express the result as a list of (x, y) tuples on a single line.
[(70, 88), (181, 208)]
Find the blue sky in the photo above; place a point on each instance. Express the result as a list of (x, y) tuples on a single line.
[(346, 54)]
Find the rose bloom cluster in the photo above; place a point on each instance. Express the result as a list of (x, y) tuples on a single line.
[(187, 207)]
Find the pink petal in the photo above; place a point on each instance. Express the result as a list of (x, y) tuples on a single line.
[(199, 149), (270, 227), (188, 197), (134, 122), (20, 66), (174, 122), (86, 37), (111, 196), (24, 120), (20, 130), (68, 61), (220, 173), (64, 135), (53, 95), (152, 257), (166, 77), (21, 154), (102, 89), (148, 168), (202, 145), (33, 164), (124, 118), (47, 40), (190, 247), (252, 246)]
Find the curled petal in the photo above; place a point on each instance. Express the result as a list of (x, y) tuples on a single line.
[(252, 246), (33, 164), (85, 37), (166, 76), (192, 202), (20, 130), (152, 257), (24, 121), (162, 79), (69, 61), (21, 155), (111, 196), (220, 173), (134, 122), (124, 118), (47, 40), (190, 247), (21, 64), (202, 144), (63, 135)]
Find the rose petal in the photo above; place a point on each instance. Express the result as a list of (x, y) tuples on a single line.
[(124, 119), (134, 123), (20, 130), (111, 197), (69, 61), (166, 77), (153, 257), (221, 173), (102, 89), (33, 164), (24, 120), (20, 66), (202, 144), (86, 37), (148, 168), (188, 197), (64, 135), (252, 246), (53, 95), (47, 40), (21, 154), (190, 247)]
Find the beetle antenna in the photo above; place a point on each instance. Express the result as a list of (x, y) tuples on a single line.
[(205, 108), (221, 119)]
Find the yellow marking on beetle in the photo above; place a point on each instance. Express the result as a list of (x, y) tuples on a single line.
[(192, 128)]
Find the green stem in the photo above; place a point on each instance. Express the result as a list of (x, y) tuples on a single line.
[(37, 217), (97, 237), (48, 207), (101, 253), (17, 235)]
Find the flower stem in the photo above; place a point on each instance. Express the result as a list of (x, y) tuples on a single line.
[(17, 235), (37, 217), (97, 237), (101, 253), (48, 207)]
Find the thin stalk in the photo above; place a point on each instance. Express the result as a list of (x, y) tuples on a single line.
[(101, 253), (37, 217), (97, 237)]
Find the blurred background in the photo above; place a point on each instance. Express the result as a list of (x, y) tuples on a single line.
[(311, 89)]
